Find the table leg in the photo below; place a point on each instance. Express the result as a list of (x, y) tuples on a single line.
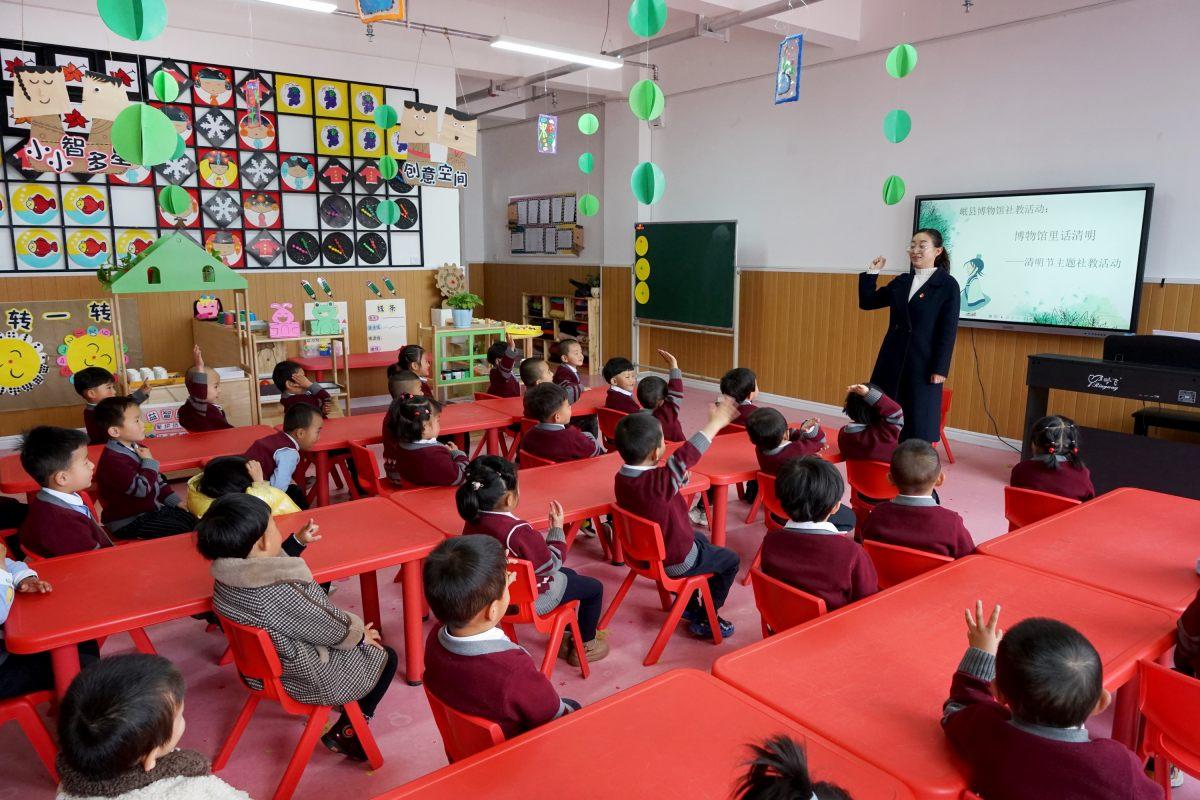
[(65, 663), (369, 584), (321, 462), (493, 441), (414, 603), (720, 506), (1125, 714)]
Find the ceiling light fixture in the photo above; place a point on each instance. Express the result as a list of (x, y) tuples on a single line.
[(556, 53), (306, 5)]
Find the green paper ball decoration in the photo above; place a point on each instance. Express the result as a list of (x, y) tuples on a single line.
[(648, 183), (589, 205), (646, 100), (587, 163), (588, 124), (647, 17), (137, 20), (389, 167), (143, 135), (902, 60), (386, 117), (893, 190), (175, 201), (388, 212), (166, 88), (180, 149), (897, 125)]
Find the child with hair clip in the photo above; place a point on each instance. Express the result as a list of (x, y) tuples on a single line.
[(412, 454), (875, 423), (486, 501), (502, 381), (1056, 466), (779, 771), (412, 358)]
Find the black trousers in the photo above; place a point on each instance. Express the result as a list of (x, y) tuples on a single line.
[(590, 594), (368, 702), (297, 495), (166, 521), (721, 562), (23, 674)]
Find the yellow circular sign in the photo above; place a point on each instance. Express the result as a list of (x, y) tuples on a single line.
[(642, 269), (641, 293), (641, 245)]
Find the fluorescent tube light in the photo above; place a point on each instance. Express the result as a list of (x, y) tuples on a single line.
[(307, 5), (556, 53)]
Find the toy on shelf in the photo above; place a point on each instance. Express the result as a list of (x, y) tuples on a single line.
[(325, 321), (283, 322), (207, 307)]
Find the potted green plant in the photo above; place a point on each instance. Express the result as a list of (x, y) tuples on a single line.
[(461, 305), (593, 280)]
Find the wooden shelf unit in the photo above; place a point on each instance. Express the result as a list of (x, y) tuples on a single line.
[(564, 316)]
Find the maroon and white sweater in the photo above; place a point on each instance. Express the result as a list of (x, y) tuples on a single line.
[(54, 527), (427, 462), (798, 445), (668, 413), (877, 441), (560, 443), (567, 377), (501, 380), (314, 396), (816, 558), (130, 486), (621, 400), (1062, 479), (96, 434), (522, 540), (652, 492), (919, 523)]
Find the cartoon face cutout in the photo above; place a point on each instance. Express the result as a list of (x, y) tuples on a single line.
[(459, 131), (103, 97), (298, 173), (40, 92), (93, 347), (419, 123), (212, 87), (22, 363)]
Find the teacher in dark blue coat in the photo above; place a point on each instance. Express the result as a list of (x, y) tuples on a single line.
[(914, 358)]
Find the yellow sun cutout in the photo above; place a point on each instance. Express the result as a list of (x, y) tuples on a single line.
[(22, 363), (91, 347)]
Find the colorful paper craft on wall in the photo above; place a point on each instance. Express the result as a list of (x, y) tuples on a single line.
[(376, 10), (547, 134), (283, 323), (787, 71)]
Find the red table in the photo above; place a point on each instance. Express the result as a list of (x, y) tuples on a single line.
[(319, 365), (514, 407), (1133, 542), (680, 735), (173, 453), (456, 418), (103, 592), (873, 675), (730, 460)]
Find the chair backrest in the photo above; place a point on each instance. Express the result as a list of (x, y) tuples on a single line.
[(486, 396), (770, 500), (869, 478), (782, 605), (522, 592), (255, 658), (1026, 506), (369, 479), (463, 735), (608, 419), (527, 425), (895, 564), (947, 397), (1170, 702), (642, 541), (528, 460), (91, 505)]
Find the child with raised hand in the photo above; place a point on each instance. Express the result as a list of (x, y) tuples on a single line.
[(118, 728), (278, 454), (94, 384), (412, 454), (486, 502), (200, 411), (470, 665), (296, 388), (502, 357), (875, 423), (329, 656), (779, 771), (621, 376), (235, 475), (1018, 706), (1056, 466), (663, 398), (553, 438)]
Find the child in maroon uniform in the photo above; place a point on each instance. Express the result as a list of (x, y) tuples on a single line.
[(663, 398), (59, 522), (295, 388), (402, 382), (1017, 710), (278, 454), (570, 356), (94, 384), (535, 371), (1056, 466), (501, 381), (914, 518), (741, 384), (552, 438), (621, 377), (809, 552), (412, 358), (200, 411), (412, 454), (875, 423), (486, 501), (470, 665), (652, 492)]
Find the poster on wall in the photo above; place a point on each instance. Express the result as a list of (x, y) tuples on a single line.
[(387, 325), (282, 169)]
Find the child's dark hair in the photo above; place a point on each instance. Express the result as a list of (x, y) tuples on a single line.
[(402, 381), (283, 372), (530, 370), (651, 392), (496, 352), (118, 711), (859, 410), (90, 378), (110, 412), (738, 383), (808, 488), (46, 450), (224, 475), (779, 771), (615, 366), (410, 356), (300, 415), (1049, 673), (231, 526), (766, 428), (1056, 436), (462, 576), (915, 466), (487, 479), (543, 400), (563, 346), (637, 437), (407, 415)]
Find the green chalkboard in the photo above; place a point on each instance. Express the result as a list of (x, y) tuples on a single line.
[(684, 272)]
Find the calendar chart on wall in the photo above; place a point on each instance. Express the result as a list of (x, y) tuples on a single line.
[(295, 184)]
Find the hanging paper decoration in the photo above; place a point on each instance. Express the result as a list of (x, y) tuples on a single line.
[(388, 168), (588, 124), (166, 88), (175, 201), (142, 134), (646, 100), (459, 132), (386, 117), (589, 205), (388, 212), (587, 162), (547, 134), (902, 60), (376, 10), (648, 183), (647, 17), (787, 71), (897, 125), (138, 20), (893, 190)]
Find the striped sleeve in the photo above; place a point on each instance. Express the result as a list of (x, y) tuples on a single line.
[(685, 458), (889, 410)]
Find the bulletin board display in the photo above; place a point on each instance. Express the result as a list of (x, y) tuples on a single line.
[(299, 190), (545, 224)]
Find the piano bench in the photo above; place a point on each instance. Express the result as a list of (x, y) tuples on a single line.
[(1146, 418)]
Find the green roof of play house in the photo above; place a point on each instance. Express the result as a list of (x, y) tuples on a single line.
[(174, 263)]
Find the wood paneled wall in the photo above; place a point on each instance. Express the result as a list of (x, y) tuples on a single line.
[(616, 294), (165, 320), (501, 285)]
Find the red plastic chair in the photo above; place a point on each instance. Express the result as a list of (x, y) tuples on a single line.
[(486, 396), (523, 594), (256, 658), (529, 460), (895, 564), (947, 396), (463, 735), (1170, 703), (608, 419), (23, 711), (867, 479), (771, 509), (1026, 506), (370, 481), (644, 550), (782, 605)]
